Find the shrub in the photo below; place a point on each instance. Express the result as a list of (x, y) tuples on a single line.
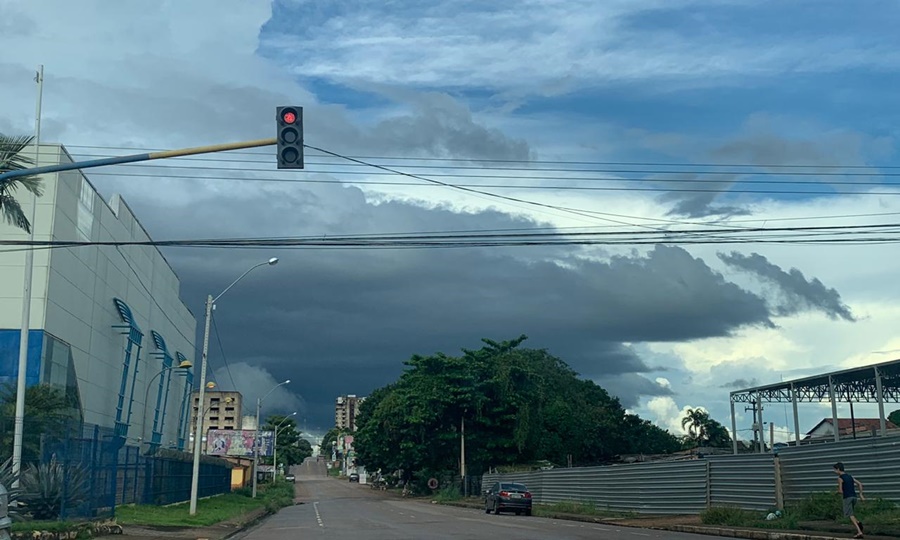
[(820, 506), (7, 478), (47, 489)]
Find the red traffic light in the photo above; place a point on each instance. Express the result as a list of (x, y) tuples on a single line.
[(289, 117)]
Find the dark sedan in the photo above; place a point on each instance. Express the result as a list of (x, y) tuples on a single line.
[(506, 496)]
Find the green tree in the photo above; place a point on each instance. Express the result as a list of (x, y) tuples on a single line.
[(12, 159), (519, 405), (291, 449), (894, 417), (703, 430), (48, 416)]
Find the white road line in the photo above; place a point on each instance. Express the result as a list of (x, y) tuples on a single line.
[(318, 515), (639, 534)]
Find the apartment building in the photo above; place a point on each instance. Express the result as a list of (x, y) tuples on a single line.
[(346, 409)]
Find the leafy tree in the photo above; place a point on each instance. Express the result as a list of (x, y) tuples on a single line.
[(894, 417), (290, 449), (519, 406), (11, 159), (702, 429), (48, 412)]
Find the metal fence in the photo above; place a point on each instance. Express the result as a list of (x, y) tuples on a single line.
[(875, 461), (652, 488), (115, 474), (746, 480), (750, 481)]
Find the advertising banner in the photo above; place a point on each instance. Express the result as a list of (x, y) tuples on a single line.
[(238, 442)]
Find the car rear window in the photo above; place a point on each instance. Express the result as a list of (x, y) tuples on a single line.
[(514, 487)]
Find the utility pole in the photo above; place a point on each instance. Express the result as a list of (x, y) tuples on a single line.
[(21, 377), (462, 455)]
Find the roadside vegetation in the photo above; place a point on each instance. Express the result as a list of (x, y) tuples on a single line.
[(519, 405), (210, 511), (820, 511)]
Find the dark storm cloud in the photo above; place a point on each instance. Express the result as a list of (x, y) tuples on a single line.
[(339, 322), (629, 387), (794, 292)]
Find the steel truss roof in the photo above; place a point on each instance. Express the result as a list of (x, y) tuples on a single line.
[(856, 384)]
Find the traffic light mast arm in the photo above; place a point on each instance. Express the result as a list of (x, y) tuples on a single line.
[(119, 160)]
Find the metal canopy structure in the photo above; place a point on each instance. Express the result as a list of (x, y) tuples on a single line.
[(876, 383)]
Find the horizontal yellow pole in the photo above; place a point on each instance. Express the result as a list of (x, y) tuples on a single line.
[(212, 148)]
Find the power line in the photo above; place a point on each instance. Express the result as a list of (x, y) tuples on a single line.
[(222, 351), (538, 161)]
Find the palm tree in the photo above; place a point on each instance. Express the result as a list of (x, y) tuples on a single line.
[(11, 159), (697, 423)]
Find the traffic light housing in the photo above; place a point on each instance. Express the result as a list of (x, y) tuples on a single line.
[(290, 137)]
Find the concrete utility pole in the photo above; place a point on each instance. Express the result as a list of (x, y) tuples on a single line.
[(21, 377)]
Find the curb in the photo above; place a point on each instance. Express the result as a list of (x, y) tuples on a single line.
[(745, 533)]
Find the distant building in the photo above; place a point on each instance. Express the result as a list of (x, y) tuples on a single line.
[(346, 409), (864, 427), (222, 410)]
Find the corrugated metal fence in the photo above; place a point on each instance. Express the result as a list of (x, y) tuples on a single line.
[(750, 481), (652, 488), (875, 461)]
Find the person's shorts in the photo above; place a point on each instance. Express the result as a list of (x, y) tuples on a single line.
[(849, 503)]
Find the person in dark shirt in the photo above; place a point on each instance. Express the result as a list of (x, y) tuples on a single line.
[(847, 486)]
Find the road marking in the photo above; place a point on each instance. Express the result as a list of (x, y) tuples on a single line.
[(318, 515), (640, 534), (601, 529)]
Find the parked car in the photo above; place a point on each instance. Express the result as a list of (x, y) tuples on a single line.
[(290, 478), (507, 496), (354, 477)]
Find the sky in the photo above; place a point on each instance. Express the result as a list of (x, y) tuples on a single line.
[(564, 94)]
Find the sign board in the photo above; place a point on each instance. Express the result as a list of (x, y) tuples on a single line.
[(238, 442)]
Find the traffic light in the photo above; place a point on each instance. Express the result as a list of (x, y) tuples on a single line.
[(290, 137)]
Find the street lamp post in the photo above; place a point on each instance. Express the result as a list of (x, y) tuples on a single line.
[(257, 440), (275, 448), (210, 301), (186, 364)]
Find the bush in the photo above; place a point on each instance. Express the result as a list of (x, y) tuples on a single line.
[(448, 493), (48, 489), (820, 506)]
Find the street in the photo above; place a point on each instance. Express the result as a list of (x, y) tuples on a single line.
[(339, 510)]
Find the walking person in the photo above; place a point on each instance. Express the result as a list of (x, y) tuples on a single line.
[(847, 486)]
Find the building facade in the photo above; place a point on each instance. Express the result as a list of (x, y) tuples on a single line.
[(107, 323), (222, 410), (346, 409)]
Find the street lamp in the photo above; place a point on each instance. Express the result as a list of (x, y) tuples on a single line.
[(256, 440), (210, 301), (185, 364), (275, 448)]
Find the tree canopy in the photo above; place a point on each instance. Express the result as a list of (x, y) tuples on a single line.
[(519, 406), (703, 430), (12, 159), (292, 449)]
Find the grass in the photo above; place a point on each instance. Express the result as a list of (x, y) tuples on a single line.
[(879, 515), (447, 494), (335, 472), (575, 507), (210, 511)]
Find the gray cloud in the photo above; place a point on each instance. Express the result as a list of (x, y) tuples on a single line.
[(761, 143), (629, 387), (340, 322), (795, 293), (739, 384)]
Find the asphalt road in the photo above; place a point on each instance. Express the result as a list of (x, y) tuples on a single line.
[(339, 510)]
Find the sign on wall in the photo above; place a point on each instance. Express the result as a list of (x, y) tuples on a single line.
[(238, 442)]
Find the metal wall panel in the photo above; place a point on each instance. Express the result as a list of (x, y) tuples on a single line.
[(650, 488), (746, 481), (875, 461)]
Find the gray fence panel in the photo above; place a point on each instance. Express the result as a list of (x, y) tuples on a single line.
[(745, 481), (649, 488), (874, 461)]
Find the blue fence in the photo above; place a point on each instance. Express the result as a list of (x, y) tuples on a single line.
[(99, 472)]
